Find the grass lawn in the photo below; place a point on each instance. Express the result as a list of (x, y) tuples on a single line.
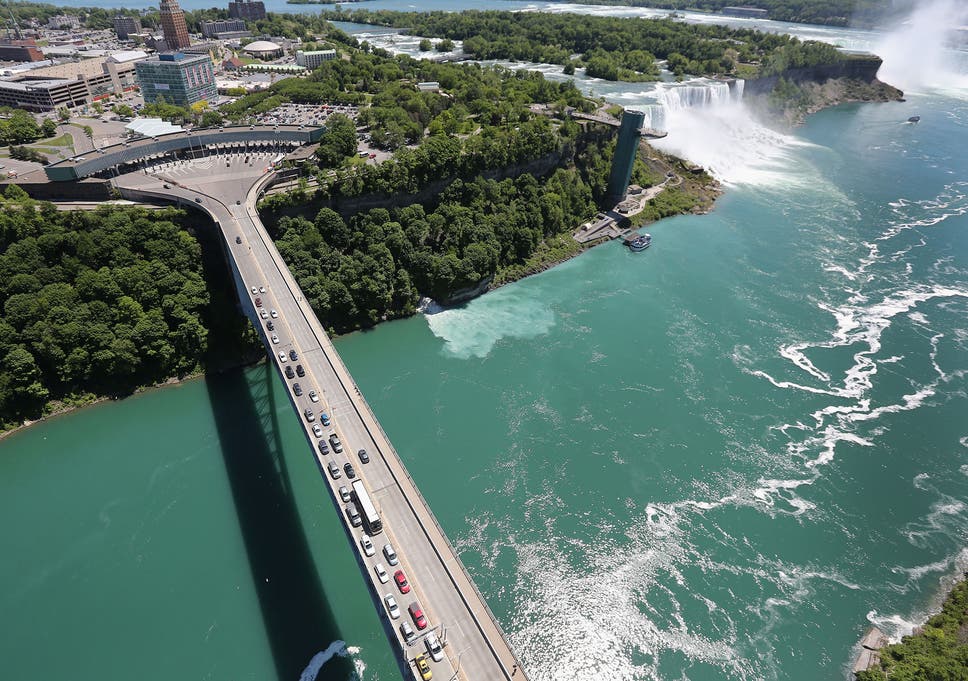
[(64, 140)]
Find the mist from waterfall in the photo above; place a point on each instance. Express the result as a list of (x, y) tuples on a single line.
[(708, 123), (919, 53)]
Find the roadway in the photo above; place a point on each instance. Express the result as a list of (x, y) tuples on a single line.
[(475, 647)]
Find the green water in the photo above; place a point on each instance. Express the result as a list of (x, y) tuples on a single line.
[(718, 459)]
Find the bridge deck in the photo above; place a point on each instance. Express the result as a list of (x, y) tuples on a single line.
[(476, 648)]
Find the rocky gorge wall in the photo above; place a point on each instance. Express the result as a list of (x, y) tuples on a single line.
[(855, 67)]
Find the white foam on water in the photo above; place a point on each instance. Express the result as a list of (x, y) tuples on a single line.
[(336, 649), (474, 329)]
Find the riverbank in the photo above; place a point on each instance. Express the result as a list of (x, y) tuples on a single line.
[(937, 650), (791, 104)]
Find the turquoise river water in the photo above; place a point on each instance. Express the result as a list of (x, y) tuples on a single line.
[(722, 458)]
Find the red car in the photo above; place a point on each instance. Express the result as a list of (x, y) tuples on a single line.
[(401, 580), (417, 614), (258, 302)]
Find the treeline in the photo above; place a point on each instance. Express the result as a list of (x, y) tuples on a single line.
[(939, 652), (93, 303), (376, 265), (20, 127), (613, 46), (825, 12)]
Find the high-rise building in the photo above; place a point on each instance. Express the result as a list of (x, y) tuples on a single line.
[(181, 79), (125, 26), (173, 25), (626, 147), (254, 10)]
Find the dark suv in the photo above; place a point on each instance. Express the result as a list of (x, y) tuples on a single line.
[(300, 371), (290, 373)]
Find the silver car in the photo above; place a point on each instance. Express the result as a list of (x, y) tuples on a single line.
[(392, 608)]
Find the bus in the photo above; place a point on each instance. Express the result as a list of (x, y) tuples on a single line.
[(371, 519)]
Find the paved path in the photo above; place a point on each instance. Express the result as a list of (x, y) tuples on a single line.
[(476, 647)]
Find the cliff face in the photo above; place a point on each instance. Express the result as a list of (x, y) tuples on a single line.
[(856, 67)]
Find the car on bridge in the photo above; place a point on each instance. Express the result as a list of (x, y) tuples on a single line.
[(310, 416), (297, 391), (392, 608), (300, 371), (401, 579), (367, 545), (334, 470), (344, 493), (337, 445), (390, 554), (381, 573), (364, 457), (407, 631), (273, 314), (264, 314), (323, 416), (258, 302), (423, 667), (433, 646), (317, 430), (323, 447), (282, 357), (293, 356), (417, 613), (290, 373), (349, 470), (315, 398), (275, 339), (238, 239)]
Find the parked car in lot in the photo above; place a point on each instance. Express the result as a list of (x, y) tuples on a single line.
[(393, 610), (344, 493), (323, 447), (317, 430), (349, 470), (297, 391), (417, 613), (282, 357), (381, 573), (310, 416), (254, 290), (238, 239), (315, 398), (290, 373), (262, 289), (293, 356), (273, 314), (258, 302), (423, 667), (275, 339), (407, 631), (264, 314), (334, 470), (270, 326), (401, 580), (323, 416), (433, 646), (367, 545), (364, 457), (300, 371), (390, 554)]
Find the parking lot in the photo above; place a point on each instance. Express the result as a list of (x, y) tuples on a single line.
[(305, 114)]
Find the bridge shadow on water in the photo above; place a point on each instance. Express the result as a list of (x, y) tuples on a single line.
[(299, 622)]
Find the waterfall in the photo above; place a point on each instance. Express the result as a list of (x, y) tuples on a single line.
[(702, 93)]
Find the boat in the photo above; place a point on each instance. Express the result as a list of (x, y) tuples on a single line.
[(639, 243), (914, 119)]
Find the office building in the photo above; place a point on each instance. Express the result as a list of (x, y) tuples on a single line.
[(626, 148), (173, 25), (72, 83), (244, 9), (221, 27), (178, 78), (126, 26), (313, 59)]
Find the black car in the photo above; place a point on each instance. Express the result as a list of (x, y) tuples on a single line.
[(297, 390), (323, 447), (300, 371), (238, 239), (364, 457), (270, 326), (350, 471), (289, 372), (293, 356)]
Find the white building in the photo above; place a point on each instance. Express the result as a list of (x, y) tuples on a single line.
[(313, 59)]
